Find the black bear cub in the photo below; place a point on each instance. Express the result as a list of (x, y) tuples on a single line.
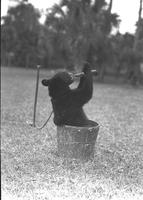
[(68, 103)]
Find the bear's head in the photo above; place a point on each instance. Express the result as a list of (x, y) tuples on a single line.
[(58, 84)]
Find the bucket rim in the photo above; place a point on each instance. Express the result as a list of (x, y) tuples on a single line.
[(83, 127)]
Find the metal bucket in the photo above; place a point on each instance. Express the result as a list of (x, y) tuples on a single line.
[(77, 142)]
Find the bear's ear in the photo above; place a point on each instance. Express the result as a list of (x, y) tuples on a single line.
[(45, 82)]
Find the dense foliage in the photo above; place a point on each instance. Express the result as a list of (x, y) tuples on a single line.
[(73, 32)]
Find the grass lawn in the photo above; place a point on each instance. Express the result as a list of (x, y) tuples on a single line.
[(31, 168)]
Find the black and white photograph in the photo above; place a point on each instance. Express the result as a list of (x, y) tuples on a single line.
[(72, 99)]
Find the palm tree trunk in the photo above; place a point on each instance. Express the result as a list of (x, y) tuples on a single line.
[(135, 47), (138, 25), (110, 6), (140, 10)]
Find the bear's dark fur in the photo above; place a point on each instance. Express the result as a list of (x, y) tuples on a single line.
[(68, 103)]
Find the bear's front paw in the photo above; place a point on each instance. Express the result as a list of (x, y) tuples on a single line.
[(86, 68)]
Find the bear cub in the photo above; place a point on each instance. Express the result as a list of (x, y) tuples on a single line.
[(68, 103)]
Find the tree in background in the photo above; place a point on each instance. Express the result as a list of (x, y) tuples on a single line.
[(136, 54), (66, 39), (83, 30), (73, 32), (128, 52), (58, 41), (20, 33)]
